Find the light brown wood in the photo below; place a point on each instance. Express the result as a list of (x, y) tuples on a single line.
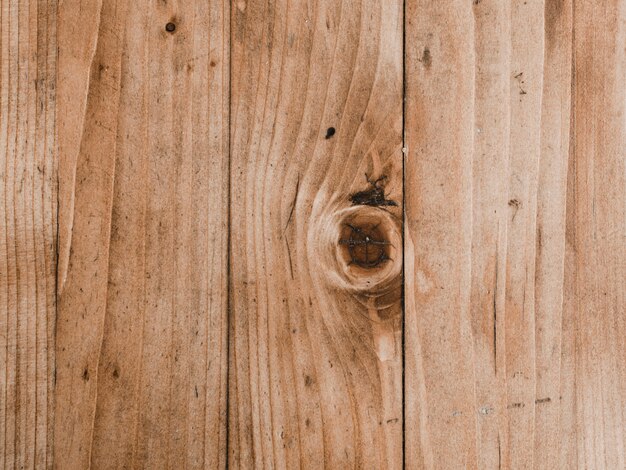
[(512, 122), (141, 331), (550, 237), (594, 360), (278, 234), (439, 378), (316, 352), (27, 232)]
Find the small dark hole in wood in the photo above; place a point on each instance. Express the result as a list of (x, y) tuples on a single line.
[(170, 27), (330, 132)]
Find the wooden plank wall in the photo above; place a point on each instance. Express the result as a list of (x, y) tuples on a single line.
[(341, 234)]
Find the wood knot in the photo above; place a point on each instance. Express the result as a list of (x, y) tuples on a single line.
[(364, 251), (366, 245)]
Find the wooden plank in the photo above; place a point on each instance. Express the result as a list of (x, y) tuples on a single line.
[(594, 356), (488, 139), (316, 354), (550, 234), (489, 224), (526, 75), (141, 336), (83, 288), (27, 231), (440, 428)]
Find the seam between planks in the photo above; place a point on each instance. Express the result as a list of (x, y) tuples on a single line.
[(228, 19), (402, 273)]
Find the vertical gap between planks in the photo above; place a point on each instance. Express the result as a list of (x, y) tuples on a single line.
[(229, 19), (402, 283)]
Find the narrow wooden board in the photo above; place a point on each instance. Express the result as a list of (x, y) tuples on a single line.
[(490, 215), (440, 426), (141, 332), (316, 133), (526, 89), (556, 118), (27, 232)]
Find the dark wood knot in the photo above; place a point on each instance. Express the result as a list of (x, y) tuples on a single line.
[(366, 245)]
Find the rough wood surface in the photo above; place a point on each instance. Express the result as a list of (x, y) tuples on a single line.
[(515, 136), (593, 378), (27, 232), (226, 242), (439, 380), (316, 353), (141, 330)]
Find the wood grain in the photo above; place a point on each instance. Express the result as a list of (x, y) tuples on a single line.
[(594, 363), (546, 118), (316, 353), (141, 332), (27, 232), (490, 215), (225, 241), (440, 428), (556, 118)]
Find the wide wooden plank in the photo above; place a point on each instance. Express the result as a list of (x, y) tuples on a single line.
[(490, 139), (141, 334), (27, 231), (316, 202), (593, 384)]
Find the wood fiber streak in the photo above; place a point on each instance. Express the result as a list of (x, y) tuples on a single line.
[(141, 332), (28, 211), (315, 340)]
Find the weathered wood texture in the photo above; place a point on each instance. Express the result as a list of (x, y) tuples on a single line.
[(593, 379), (515, 235), (216, 249), (27, 232), (141, 328), (316, 353)]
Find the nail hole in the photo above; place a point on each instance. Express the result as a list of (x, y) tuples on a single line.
[(330, 132), (170, 27)]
